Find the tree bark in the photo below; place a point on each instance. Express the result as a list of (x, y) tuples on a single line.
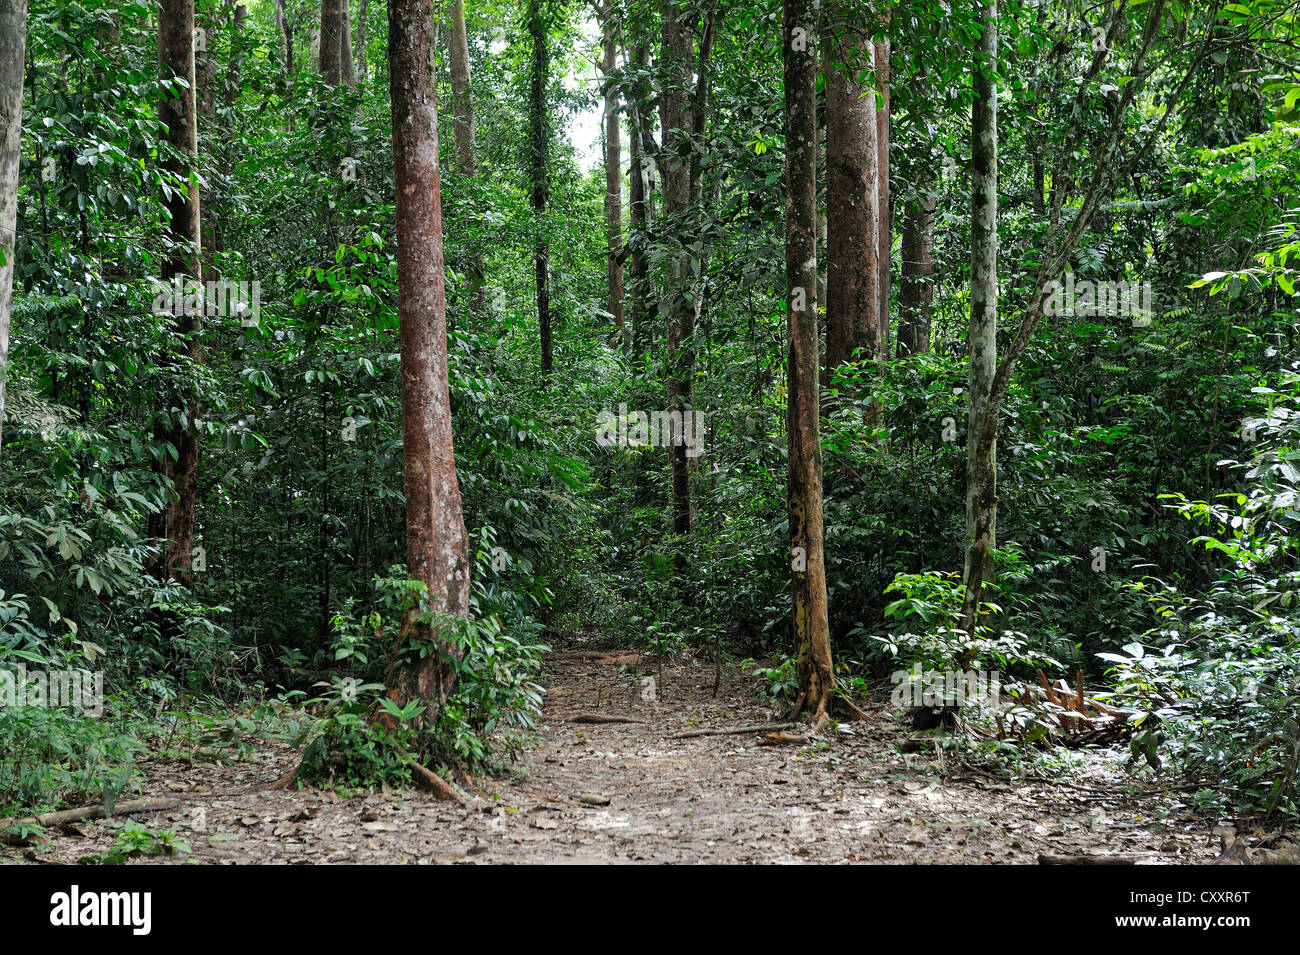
[(677, 127), (804, 480), (613, 171), (463, 121), (348, 69), (641, 179), (286, 35), (331, 41), (436, 542), (916, 288), (13, 39), (178, 113), (886, 234), (539, 154), (981, 432), (852, 204)]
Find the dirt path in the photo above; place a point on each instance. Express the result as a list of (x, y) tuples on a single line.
[(627, 792)]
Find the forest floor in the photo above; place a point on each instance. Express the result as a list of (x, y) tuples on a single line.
[(630, 792)]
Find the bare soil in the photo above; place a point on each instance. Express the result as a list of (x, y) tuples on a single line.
[(628, 792)]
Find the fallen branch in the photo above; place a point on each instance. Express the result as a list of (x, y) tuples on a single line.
[(602, 718), (82, 813), (756, 728)]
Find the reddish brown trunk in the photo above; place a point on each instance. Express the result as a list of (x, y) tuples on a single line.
[(804, 483), (852, 206), (177, 111), (436, 544)]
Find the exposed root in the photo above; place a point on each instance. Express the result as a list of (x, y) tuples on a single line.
[(287, 780), (431, 782)]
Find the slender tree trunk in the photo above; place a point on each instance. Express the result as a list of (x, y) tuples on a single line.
[(178, 113), (13, 39), (436, 542), (811, 628), (208, 93), (348, 69), (852, 205), (362, 16), (886, 234), (539, 143), (641, 178), (916, 288), (286, 34), (613, 171), (466, 154), (677, 127), (331, 41), (981, 432)]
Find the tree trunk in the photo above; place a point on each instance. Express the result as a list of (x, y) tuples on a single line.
[(463, 121), (331, 41), (852, 205), (539, 154), (347, 66), (436, 542), (916, 289), (362, 16), (677, 130), (178, 113), (804, 485), (613, 172), (13, 39), (641, 179), (981, 432), (886, 235), (286, 35)]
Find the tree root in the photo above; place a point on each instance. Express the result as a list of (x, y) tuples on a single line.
[(431, 782)]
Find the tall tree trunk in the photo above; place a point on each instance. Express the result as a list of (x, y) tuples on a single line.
[(613, 170), (641, 179), (539, 154), (348, 69), (207, 93), (916, 287), (852, 204), (677, 129), (436, 542), (981, 431), (886, 235), (804, 484), (362, 16), (178, 113), (463, 122), (286, 35), (13, 39), (331, 41)]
